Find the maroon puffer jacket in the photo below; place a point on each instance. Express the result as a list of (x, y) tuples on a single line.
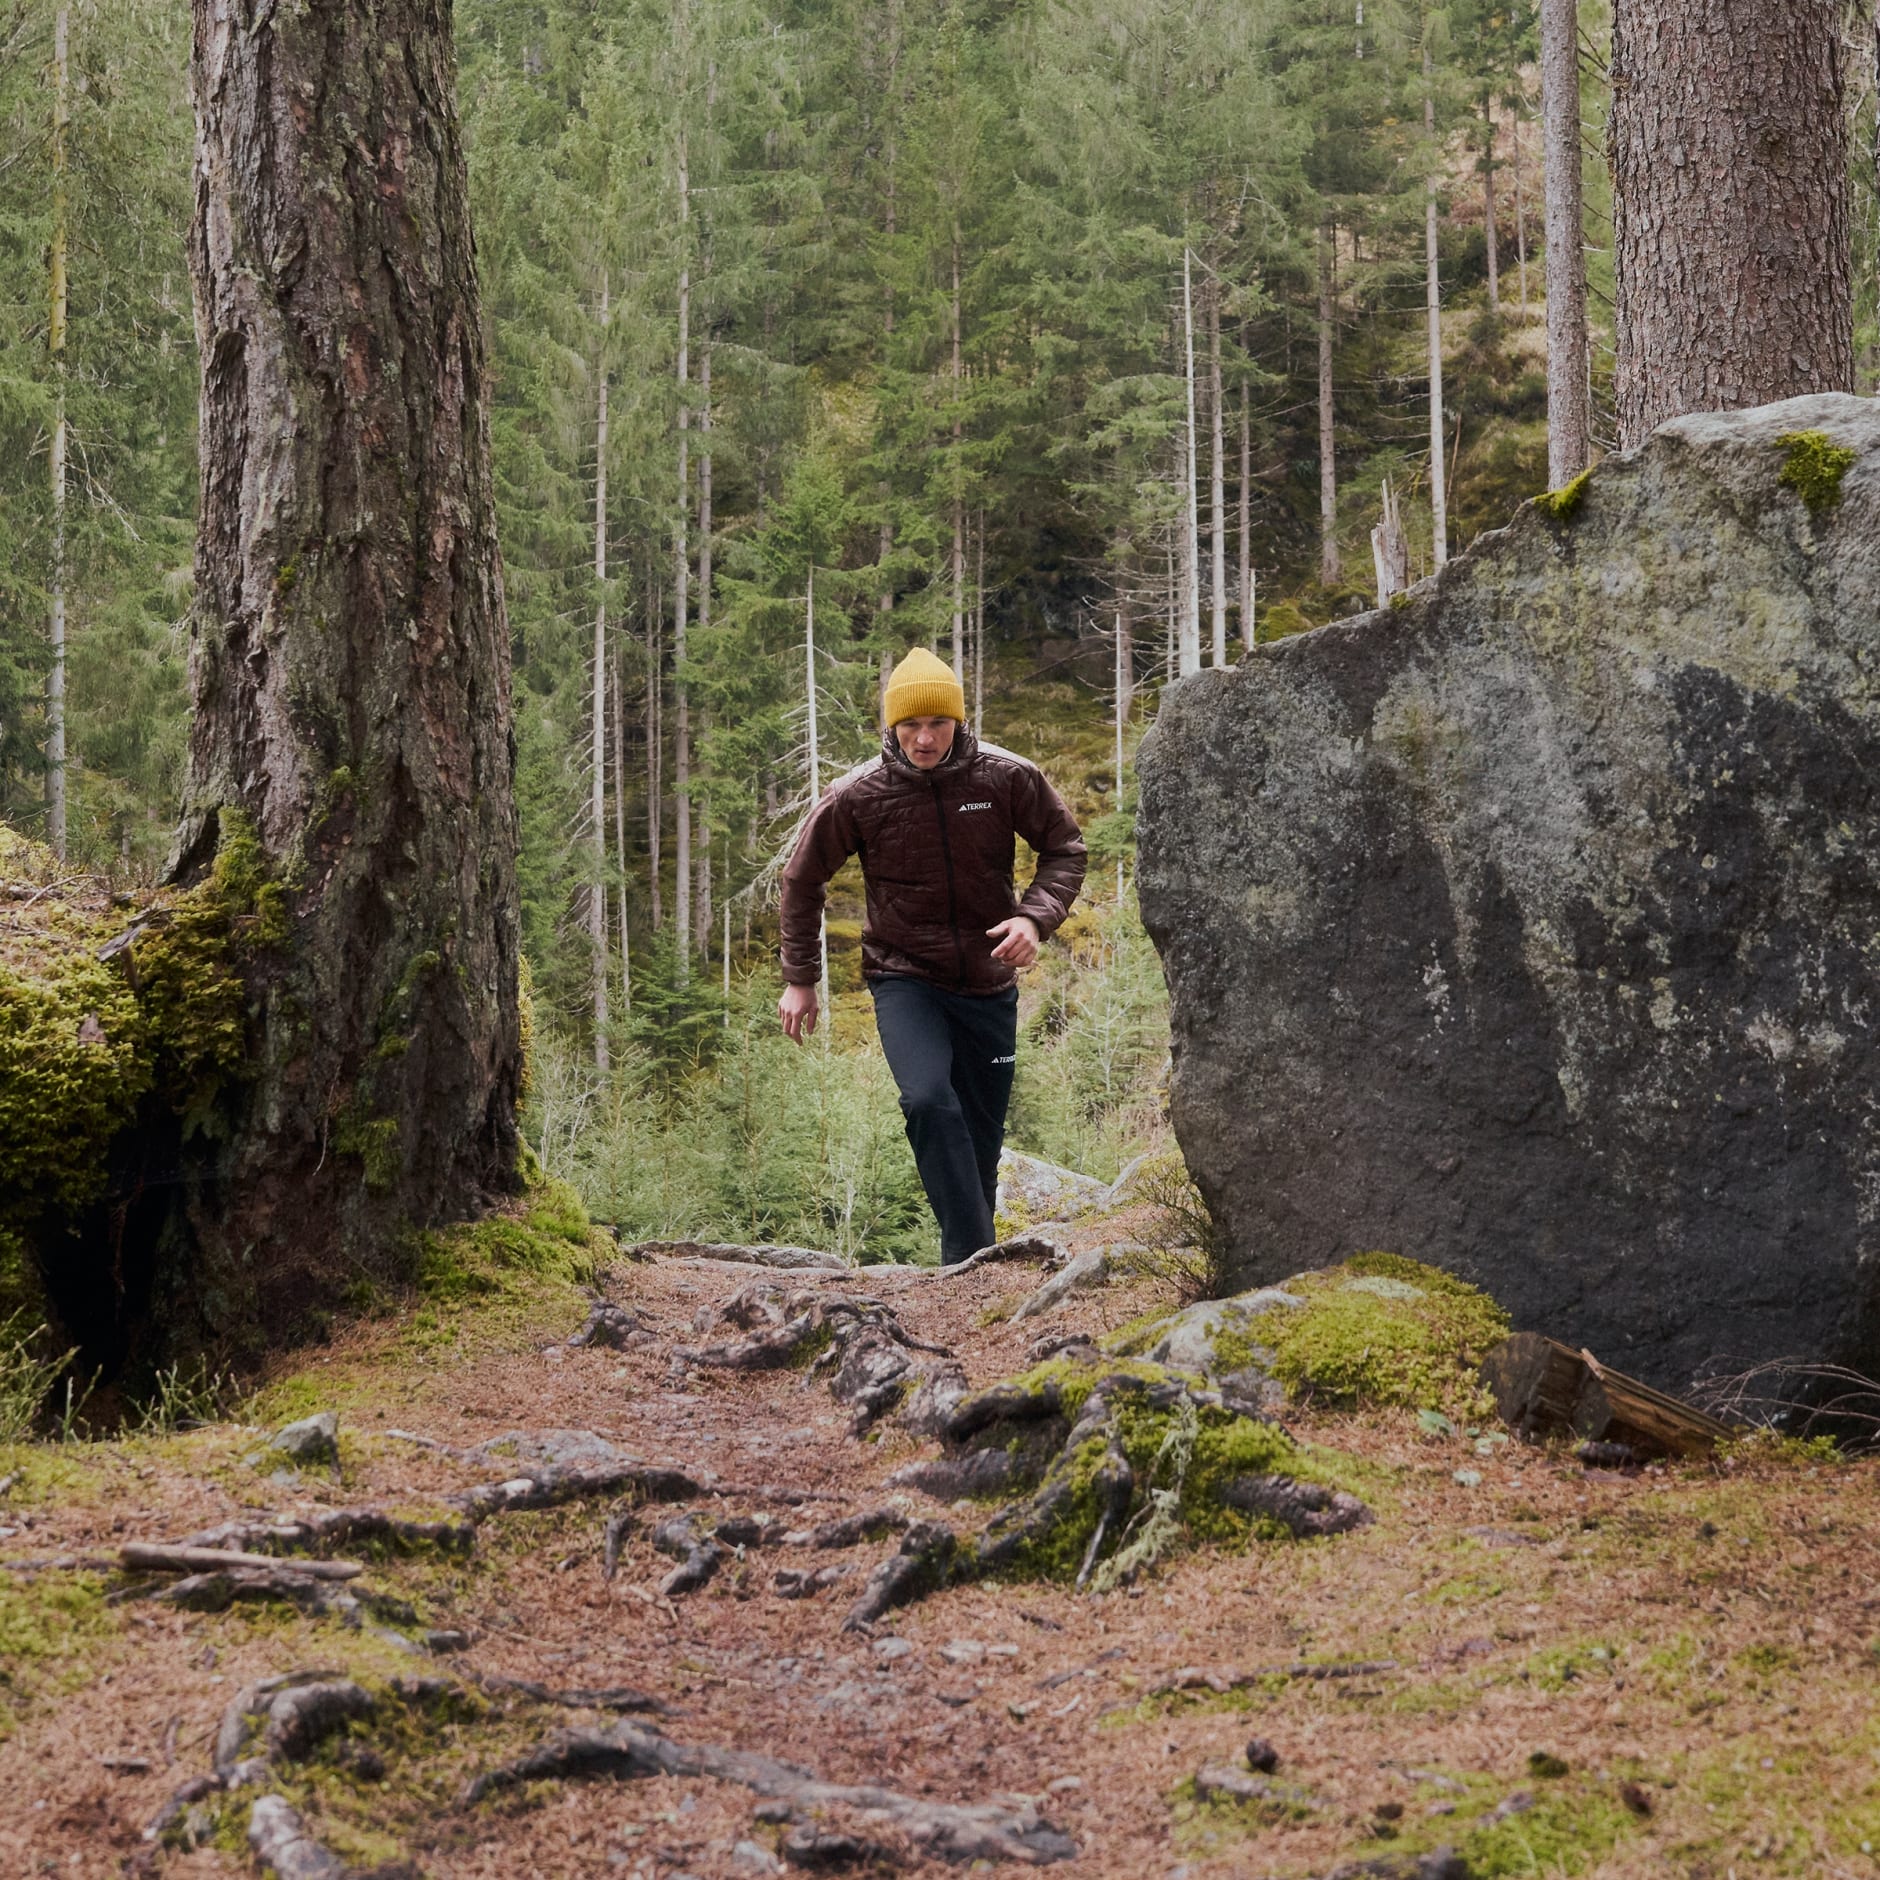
[(937, 853)]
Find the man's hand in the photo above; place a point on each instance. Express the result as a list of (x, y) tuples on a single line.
[(797, 1008), (1019, 945)]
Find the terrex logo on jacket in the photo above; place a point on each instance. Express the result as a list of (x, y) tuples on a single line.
[(935, 882)]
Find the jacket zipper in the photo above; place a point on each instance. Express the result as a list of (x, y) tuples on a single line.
[(953, 910)]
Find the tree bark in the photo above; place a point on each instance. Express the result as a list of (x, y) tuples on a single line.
[(1731, 228), (1569, 403), (1191, 527), (350, 667), (1217, 479), (1520, 209), (655, 752), (1245, 590), (597, 870), (702, 899), (1433, 289), (55, 347), (1488, 203), (682, 703), (1328, 457)]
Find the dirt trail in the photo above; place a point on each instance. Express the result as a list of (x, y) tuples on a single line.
[(1691, 1645)]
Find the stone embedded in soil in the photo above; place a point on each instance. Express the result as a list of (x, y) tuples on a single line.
[(310, 1443), (282, 1843), (1225, 1783), (1031, 1189)]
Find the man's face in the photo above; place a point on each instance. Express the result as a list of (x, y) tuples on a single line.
[(925, 742)]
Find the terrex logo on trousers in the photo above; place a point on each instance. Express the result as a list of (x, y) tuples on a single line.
[(964, 807), (1013, 1059)]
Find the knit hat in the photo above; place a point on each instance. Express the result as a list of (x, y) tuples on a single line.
[(923, 687)]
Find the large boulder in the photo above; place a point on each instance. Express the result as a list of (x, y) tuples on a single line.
[(1529, 927)]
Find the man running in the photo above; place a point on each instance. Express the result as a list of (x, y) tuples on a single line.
[(945, 935)]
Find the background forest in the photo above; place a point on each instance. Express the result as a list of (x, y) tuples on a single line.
[(1031, 331)]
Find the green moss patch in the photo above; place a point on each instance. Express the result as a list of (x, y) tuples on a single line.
[(1814, 468), (103, 1013), (49, 1624), (1562, 505), (547, 1236), (1381, 1329)]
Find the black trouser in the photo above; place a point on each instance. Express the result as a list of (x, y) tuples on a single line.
[(953, 1058)]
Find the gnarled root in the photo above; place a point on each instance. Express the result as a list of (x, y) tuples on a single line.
[(924, 1562), (986, 1831)]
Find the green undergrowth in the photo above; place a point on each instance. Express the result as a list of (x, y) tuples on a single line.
[(1815, 468), (1382, 1330)]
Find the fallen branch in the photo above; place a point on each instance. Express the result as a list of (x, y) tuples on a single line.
[(161, 1557), (986, 1831)]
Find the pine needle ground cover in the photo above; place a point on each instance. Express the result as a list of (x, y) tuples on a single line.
[(1547, 1668)]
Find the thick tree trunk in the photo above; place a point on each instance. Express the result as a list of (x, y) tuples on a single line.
[(1328, 454), (1569, 404), (1520, 210), (1731, 227), (351, 661)]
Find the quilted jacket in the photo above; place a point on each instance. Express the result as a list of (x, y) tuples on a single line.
[(937, 852)]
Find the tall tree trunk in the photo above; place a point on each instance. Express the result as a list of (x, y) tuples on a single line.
[(1328, 457), (682, 702), (1731, 229), (1433, 290), (1245, 589), (655, 750), (350, 669), (620, 836), (979, 628), (702, 899), (1488, 203), (597, 870), (55, 345), (1191, 526), (959, 507), (814, 756), (1217, 478), (1520, 209), (1120, 680), (1569, 401), (884, 546)]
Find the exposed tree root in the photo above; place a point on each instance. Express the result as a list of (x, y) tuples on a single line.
[(850, 1531), (1228, 1784), (553, 1484), (621, 1697), (925, 1562), (1304, 1507), (986, 1831), (806, 1582), (280, 1840), (699, 1556), (611, 1327), (1035, 1243), (337, 1527), (800, 1259)]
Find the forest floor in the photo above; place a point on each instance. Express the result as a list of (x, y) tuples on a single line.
[(1549, 1669)]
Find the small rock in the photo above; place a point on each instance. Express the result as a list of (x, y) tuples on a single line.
[(1262, 1757), (1635, 1798), (962, 1651), (1062, 1785), (893, 1648), (1468, 1478), (311, 1443), (1035, 1190), (771, 1813), (756, 1857)]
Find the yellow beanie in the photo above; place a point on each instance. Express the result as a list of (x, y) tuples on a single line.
[(923, 687)]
